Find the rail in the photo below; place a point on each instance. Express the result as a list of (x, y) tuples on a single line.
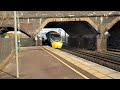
[(106, 59)]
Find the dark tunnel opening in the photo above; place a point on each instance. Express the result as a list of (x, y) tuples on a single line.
[(8, 29), (81, 34), (113, 41)]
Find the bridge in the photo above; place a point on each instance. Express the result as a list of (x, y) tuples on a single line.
[(75, 23)]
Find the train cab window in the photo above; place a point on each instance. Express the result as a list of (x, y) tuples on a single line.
[(56, 37)]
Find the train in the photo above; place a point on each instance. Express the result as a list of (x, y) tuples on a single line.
[(53, 39)]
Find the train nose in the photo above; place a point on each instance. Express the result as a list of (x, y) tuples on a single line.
[(57, 45)]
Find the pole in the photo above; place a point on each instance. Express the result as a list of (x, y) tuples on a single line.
[(18, 23), (16, 45)]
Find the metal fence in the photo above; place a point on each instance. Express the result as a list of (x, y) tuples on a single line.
[(83, 43), (26, 42), (113, 43), (7, 45)]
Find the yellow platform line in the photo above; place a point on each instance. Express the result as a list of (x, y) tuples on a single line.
[(67, 65)]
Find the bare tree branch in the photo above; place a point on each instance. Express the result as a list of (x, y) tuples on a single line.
[(4, 18)]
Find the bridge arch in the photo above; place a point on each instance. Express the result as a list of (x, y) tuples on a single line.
[(112, 23), (64, 20), (10, 27), (113, 39)]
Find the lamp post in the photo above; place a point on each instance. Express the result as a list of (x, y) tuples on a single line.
[(16, 45)]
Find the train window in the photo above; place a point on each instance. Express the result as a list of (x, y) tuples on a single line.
[(56, 37)]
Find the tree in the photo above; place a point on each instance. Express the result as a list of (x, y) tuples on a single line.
[(4, 18)]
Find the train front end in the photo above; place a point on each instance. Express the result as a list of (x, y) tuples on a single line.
[(56, 41), (57, 44)]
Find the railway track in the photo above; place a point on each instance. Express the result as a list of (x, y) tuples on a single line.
[(114, 50), (109, 60)]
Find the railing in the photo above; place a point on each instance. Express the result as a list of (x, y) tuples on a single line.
[(6, 47)]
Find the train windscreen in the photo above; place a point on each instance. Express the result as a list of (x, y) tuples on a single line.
[(55, 37)]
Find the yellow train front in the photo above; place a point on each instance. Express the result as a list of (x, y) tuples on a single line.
[(56, 44), (54, 39)]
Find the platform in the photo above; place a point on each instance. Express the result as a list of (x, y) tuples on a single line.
[(97, 70), (44, 62), (36, 63)]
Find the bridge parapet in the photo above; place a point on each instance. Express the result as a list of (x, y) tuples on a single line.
[(97, 19)]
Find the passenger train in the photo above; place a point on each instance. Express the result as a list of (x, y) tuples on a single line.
[(54, 39)]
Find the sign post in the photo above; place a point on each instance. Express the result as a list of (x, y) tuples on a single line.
[(18, 23), (16, 45)]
